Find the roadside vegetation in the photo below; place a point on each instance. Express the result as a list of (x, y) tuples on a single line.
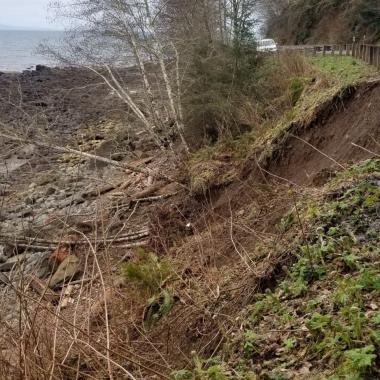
[(289, 89)]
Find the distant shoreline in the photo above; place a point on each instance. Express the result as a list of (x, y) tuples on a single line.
[(13, 28), (30, 69), (19, 49), (33, 30)]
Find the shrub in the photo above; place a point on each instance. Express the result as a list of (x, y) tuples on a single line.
[(220, 80), (147, 271)]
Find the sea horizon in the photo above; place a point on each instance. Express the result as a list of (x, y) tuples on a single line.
[(19, 48)]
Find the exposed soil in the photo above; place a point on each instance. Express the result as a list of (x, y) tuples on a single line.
[(328, 142)]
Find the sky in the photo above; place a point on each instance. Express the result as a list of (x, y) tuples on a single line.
[(26, 13)]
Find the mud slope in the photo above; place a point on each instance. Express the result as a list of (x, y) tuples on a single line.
[(309, 153)]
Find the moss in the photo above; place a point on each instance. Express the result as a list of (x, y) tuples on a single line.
[(207, 174), (213, 166)]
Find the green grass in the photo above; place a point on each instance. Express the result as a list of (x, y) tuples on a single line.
[(332, 75), (345, 70)]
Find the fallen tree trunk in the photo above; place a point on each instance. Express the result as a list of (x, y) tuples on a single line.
[(24, 242), (158, 176)]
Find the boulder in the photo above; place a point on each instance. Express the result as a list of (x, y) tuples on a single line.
[(66, 271), (38, 265), (4, 280), (14, 262), (40, 68), (50, 190)]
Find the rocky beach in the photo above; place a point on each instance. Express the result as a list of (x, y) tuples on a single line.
[(55, 205)]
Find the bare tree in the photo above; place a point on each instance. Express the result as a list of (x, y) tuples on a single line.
[(115, 34), (156, 39)]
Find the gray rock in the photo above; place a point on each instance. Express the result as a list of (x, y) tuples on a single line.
[(4, 280), (50, 190), (5, 190), (27, 151), (14, 262), (38, 264), (375, 182), (30, 200), (66, 271)]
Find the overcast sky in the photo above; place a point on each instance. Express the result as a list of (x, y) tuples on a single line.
[(25, 13)]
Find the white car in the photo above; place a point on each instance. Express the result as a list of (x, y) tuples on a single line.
[(266, 45)]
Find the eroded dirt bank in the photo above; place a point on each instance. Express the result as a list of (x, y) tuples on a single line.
[(348, 131)]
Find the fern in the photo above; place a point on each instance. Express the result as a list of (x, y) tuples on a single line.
[(358, 359)]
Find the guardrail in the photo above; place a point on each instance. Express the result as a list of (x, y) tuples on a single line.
[(368, 53)]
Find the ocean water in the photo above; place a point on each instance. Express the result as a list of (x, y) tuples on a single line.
[(18, 49)]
